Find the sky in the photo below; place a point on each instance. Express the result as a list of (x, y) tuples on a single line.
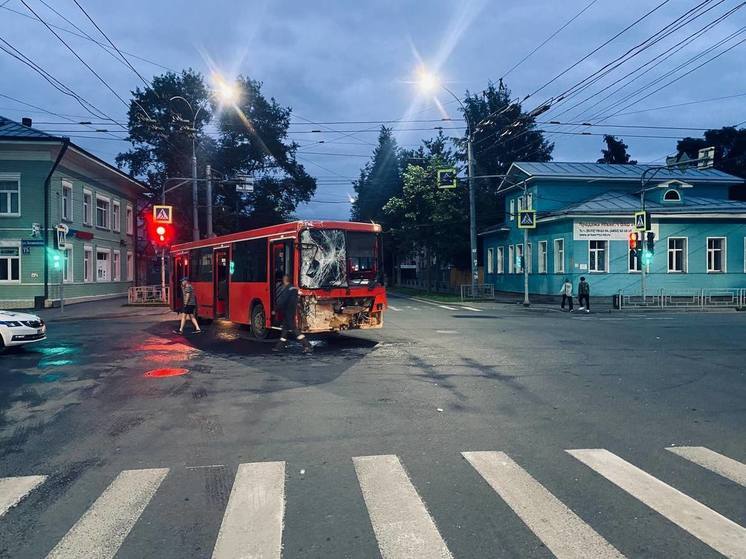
[(345, 67)]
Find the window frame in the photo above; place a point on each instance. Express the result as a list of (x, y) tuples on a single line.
[(511, 208), (501, 260), (490, 260), (529, 201), (116, 216), (528, 259), (724, 256), (684, 255), (16, 245), (130, 265), (511, 259), (672, 191), (129, 215), (106, 251), (11, 177), (68, 274), (67, 202), (89, 206), (519, 270), (88, 269), (561, 243), (596, 250), (542, 261), (116, 265), (107, 213)]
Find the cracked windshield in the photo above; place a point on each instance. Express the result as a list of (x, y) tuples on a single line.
[(394, 279)]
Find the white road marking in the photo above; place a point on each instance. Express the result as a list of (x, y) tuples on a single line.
[(712, 528), (726, 467), (403, 527), (561, 530), (104, 526), (13, 489), (393, 308), (203, 467), (446, 307), (471, 309), (446, 331), (253, 520), (433, 304)]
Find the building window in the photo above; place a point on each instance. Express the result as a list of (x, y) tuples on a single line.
[(501, 260), (716, 254), (744, 255), (87, 202), (519, 259), (116, 266), (634, 260), (512, 209), (490, 260), (542, 257), (597, 256), (87, 264), (530, 258), (559, 256), (10, 195), (521, 205), (67, 201), (129, 216), (10, 264), (677, 254), (102, 212), (130, 266), (511, 259), (103, 268), (116, 215), (530, 201), (672, 196)]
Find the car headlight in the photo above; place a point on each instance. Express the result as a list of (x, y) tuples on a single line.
[(11, 323)]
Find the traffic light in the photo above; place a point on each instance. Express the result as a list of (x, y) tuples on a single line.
[(633, 242), (161, 234), (650, 245), (56, 260)]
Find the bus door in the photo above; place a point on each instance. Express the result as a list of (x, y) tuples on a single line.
[(180, 270), (281, 254), (220, 282)]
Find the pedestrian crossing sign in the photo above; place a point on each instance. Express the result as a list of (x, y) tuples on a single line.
[(642, 221), (447, 178), (163, 214), (527, 219)]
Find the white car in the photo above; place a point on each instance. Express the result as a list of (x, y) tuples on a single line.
[(18, 328)]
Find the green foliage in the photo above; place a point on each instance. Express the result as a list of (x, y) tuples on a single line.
[(615, 152), (730, 152)]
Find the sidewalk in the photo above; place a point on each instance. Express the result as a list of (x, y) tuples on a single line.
[(99, 310)]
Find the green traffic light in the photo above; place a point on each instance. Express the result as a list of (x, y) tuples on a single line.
[(647, 257)]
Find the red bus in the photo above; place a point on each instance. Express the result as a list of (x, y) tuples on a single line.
[(336, 265)]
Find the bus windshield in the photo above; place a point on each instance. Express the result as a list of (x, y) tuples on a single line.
[(337, 258)]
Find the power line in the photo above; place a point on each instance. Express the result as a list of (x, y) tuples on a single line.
[(676, 105)]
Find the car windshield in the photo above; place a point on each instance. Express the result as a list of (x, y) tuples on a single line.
[(336, 258)]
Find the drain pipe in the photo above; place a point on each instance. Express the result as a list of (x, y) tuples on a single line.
[(47, 190)]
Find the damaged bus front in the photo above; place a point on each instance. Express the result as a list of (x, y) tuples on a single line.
[(341, 280)]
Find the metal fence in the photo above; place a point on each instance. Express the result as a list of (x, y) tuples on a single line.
[(705, 298), (481, 291), (148, 295)]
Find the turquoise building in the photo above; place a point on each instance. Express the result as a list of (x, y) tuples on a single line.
[(584, 216), (46, 181)]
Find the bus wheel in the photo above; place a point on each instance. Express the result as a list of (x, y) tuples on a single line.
[(259, 322)]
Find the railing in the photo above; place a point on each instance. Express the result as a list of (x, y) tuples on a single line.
[(482, 291), (686, 298), (148, 295)]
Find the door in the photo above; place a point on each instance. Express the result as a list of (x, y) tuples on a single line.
[(282, 264), (180, 270), (220, 282)]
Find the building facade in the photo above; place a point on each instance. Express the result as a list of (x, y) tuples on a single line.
[(46, 181), (585, 214)]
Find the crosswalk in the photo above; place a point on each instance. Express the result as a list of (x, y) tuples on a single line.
[(253, 520)]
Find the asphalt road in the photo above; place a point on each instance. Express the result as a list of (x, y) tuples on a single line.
[(446, 433)]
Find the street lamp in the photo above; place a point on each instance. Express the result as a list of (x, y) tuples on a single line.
[(429, 82)]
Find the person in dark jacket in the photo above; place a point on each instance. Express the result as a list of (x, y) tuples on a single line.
[(584, 295), (286, 302)]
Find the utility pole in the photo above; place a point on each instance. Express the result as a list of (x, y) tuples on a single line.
[(472, 215), (208, 176), (526, 259), (195, 215)]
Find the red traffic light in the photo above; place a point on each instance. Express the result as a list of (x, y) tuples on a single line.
[(633, 241), (161, 234)]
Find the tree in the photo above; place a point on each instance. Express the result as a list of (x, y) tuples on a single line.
[(730, 153), (379, 181), (615, 152), (254, 140)]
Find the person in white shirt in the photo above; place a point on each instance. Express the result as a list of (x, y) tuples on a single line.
[(566, 293)]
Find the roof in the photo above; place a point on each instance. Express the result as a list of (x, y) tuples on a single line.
[(499, 228), (616, 172), (612, 202)]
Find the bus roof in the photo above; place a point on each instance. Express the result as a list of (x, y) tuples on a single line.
[(291, 227)]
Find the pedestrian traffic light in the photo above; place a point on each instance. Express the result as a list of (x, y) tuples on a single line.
[(56, 260), (633, 242), (647, 257), (161, 234), (650, 245)]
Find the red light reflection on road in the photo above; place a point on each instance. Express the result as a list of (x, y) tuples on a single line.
[(158, 373)]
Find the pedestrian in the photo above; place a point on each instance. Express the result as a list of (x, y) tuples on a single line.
[(189, 302), (566, 293), (287, 304), (584, 293)]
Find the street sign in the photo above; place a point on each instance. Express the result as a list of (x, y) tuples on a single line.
[(245, 187), (244, 183), (526, 219), (32, 242), (163, 214), (447, 178), (642, 221), (706, 158)]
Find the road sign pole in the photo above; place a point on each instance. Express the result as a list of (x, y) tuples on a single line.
[(163, 274), (526, 257)]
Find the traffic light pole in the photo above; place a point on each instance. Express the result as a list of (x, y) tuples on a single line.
[(526, 255)]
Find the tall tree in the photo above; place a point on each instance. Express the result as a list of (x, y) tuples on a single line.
[(730, 153), (254, 140), (615, 152), (505, 134), (379, 180)]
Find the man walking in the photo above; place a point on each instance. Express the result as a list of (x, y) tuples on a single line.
[(189, 302), (566, 293), (584, 293), (287, 304)]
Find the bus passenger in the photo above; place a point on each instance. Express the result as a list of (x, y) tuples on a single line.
[(189, 302)]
